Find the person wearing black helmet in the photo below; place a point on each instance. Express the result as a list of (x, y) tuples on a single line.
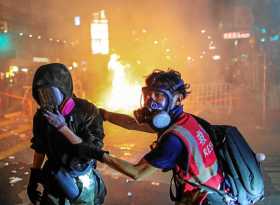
[(65, 176), (182, 146)]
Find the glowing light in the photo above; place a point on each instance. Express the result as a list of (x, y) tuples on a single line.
[(2, 76), (124, 96), (203, 31), (212, 46), (236, 35), (77, 20), (168, 57), (155, 42), (167, 50), (5, 43), (57, 41), (99, 34), (144, 30), (39, 37), (155, 183), (85, 180), (14, 69), (25, 70), (50, 39), (189, 58), (30, 35), (216, 57), (275, 37), (75, 64), (21, 34), (40, 59), (7, 75), (5, 31), (11, 72)]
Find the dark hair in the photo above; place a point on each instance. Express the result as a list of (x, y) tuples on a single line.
[(170, 80)]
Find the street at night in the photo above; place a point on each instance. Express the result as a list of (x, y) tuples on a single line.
[(140, 74)]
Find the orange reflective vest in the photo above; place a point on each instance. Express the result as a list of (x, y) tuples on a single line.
[(202, 161)]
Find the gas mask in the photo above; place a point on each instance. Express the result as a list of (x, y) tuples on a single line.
[(52, 99), (156, 104)]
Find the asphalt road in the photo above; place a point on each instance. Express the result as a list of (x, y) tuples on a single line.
[(16, 158)]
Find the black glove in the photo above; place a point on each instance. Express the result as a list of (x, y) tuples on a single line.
[(87, 151), (35, 178)]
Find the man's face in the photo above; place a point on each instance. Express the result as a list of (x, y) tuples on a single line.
[(50, 97)]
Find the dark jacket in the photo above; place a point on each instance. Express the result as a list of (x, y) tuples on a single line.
[(85, 121)]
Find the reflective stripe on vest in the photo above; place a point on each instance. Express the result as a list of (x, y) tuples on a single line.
[(204, 173)]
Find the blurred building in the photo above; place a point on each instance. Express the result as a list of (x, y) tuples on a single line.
[(31, 34)]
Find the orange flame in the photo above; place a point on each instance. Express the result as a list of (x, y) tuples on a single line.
[(124, 96)]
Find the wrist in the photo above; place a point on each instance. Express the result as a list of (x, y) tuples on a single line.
[(61, 127), (103, 155)]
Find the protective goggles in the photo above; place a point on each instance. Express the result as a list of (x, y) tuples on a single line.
[(155, 99)]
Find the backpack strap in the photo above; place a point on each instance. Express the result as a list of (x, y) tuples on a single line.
[(228, 199), (173, 197)]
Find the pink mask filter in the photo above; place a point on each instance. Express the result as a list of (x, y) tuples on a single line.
[(67, 107)]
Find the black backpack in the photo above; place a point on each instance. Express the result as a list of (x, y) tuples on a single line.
[(239, 164)]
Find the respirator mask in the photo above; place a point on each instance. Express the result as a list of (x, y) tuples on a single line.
[(155, 107), (52, 99)]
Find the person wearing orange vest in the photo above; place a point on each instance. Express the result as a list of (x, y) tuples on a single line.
[(182, 146)]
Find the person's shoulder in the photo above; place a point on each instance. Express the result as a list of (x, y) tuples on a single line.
[(171, 138), (84, 105)]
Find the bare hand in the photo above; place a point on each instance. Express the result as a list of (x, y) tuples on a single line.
[(56, 120)]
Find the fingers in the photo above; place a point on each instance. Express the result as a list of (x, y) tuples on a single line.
[(50, 115)]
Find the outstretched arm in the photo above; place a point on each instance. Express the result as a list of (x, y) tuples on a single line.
[(125, 121), (135, 171)]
